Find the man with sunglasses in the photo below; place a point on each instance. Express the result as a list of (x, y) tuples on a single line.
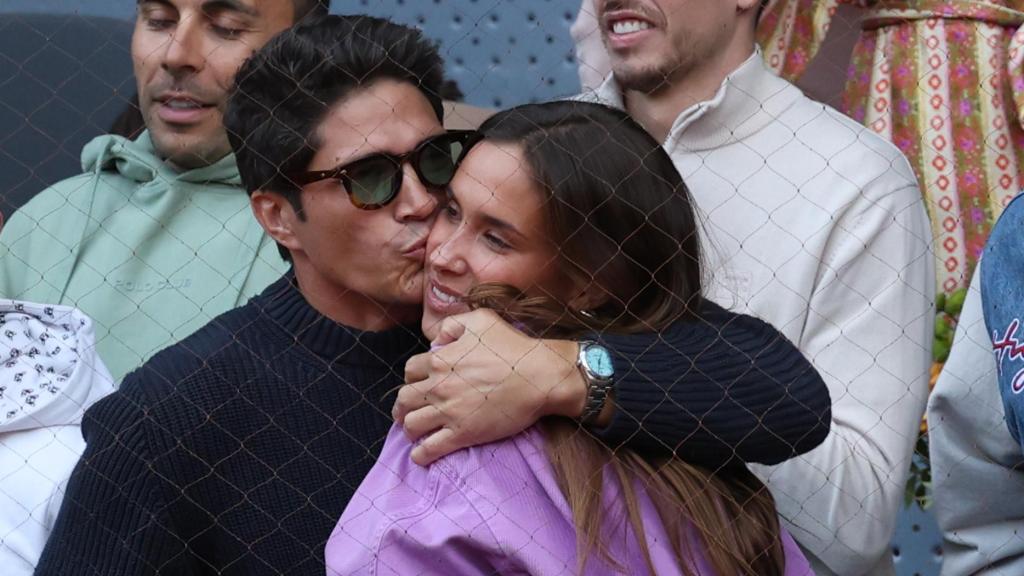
[(373, 181), (151, 241), (236, 450)]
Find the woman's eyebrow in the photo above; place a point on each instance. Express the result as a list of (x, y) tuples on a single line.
[(487, 219), (495, 222)]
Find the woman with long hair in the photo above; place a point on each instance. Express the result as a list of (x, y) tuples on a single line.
[(567, 219)]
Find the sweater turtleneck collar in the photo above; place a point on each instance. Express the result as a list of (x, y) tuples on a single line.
[(750, 98), (283, 302)]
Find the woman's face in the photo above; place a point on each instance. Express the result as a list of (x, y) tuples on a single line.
[(492, 230)]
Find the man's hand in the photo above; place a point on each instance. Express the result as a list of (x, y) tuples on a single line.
[(483, 381)]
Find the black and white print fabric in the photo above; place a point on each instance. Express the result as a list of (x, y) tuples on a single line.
[(42, 366), (49, 375)]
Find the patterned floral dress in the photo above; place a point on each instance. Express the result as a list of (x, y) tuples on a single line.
[(943, 80)]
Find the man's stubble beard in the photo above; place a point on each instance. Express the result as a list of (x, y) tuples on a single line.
[(184, 151), (190, 152), (651, 80)]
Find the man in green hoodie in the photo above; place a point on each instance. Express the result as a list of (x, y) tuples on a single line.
[(156, 237)]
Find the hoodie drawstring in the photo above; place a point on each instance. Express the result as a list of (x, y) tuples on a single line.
[(88, 229)]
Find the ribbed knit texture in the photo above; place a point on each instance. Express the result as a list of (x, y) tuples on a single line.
[(718, 390), (234, 452)]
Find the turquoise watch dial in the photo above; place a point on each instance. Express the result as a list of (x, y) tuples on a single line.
[(599, 361)]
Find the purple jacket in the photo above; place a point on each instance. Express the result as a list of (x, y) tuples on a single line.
[(492, 509)]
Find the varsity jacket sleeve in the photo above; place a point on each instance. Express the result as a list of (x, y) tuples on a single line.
[(977, 467), (1002, 289), (722, 388), (113, 520)]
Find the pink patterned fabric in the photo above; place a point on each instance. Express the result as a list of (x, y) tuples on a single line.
[(943, 80)]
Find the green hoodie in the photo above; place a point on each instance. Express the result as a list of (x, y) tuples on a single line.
[(149, 253)]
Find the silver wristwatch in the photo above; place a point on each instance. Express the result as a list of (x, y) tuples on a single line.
[(595, 363)]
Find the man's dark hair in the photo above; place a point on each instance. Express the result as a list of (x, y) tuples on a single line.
[(310, 9), (284, 91)]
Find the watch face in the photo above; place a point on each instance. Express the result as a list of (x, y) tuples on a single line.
[(599, 361)]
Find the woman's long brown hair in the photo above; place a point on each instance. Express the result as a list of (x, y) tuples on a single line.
[(621, 217)]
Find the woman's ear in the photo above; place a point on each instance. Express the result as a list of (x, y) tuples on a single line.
[(277, 216)]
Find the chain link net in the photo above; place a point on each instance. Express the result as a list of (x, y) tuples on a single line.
[(807, 223)]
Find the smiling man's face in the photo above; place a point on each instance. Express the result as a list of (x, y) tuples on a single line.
[(651, 43), (185, 55)]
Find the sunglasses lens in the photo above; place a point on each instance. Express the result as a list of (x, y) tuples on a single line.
[(371, 184), (439, 158)]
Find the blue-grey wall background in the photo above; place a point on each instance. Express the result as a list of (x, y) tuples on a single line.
[(500, 52)]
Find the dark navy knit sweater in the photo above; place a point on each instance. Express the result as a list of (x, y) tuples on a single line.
[(235, 451)]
